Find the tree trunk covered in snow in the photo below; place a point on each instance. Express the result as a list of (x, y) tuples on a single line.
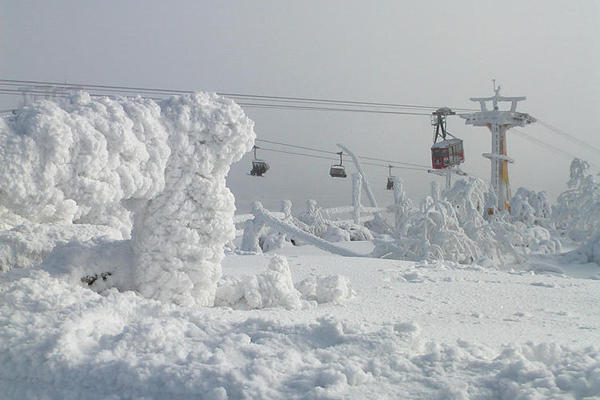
[(179, 235)]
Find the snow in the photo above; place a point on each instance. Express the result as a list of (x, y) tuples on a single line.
[(75, 160), (99, 161), (115, 284), (410, 330), (179, 235)]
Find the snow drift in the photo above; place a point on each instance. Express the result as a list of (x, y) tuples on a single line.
[(99, 161)]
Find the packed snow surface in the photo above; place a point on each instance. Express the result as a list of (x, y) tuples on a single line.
[(409, 330)]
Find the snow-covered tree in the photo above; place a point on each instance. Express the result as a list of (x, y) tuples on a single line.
[(577, 211)]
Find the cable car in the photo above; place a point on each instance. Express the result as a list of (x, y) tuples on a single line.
[(259, 167), (390, 180), (338, 170), (447, 152)]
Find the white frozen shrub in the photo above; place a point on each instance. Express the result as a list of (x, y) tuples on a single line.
[(272, 288), (355, 232), (432, 233), (457, 227), (179, 235), (402, 206), (530, 207), (590, 249), (577, 211), (315, 218), (336, 234), (75, 160)]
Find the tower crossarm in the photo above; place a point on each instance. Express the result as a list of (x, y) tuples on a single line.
[(508, 118)]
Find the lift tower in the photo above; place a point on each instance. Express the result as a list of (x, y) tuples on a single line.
[(499, 121)]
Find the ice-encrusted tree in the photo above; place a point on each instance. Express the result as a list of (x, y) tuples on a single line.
[(577, 210), (179, 235), (96, 161)]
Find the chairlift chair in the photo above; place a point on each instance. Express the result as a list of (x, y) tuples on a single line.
[(338, 170), (259, 167), (390, 180)]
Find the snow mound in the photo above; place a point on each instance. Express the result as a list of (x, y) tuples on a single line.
[(97, 264), (28, 244), (62, 341), (272, 288), (327, 289)]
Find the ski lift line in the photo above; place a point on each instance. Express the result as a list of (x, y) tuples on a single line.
[(313, 108), (295, 146), (542, 143), (237, 95), (60, 94), (549, 146), (569, 137), (333, 152), (393, 162), (335, 159), (250, 105)]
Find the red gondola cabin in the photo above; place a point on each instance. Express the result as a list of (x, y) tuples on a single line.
[(447, 153)]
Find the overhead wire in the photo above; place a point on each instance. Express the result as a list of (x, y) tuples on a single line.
[(295, 146), (567, 136), (335, 159), (12, 86), (256, 97), (548, 146)]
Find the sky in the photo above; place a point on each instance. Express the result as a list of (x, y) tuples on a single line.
[(409, 52)]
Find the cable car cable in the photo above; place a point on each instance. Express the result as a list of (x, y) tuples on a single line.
[(548, 146), (569, 137), (237, 95), (336, 159), (333, 152)]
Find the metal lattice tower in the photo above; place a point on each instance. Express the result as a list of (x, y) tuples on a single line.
[(499, 121)]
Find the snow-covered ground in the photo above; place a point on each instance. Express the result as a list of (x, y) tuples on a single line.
[(409, 330), (114, 217)]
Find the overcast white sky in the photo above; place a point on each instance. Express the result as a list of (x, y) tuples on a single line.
[(416, 52)]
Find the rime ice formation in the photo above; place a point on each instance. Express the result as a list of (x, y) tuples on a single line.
[(97, 161), (577, 210), (530, 207), (179, 235), (75, 161), (452, 227)]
